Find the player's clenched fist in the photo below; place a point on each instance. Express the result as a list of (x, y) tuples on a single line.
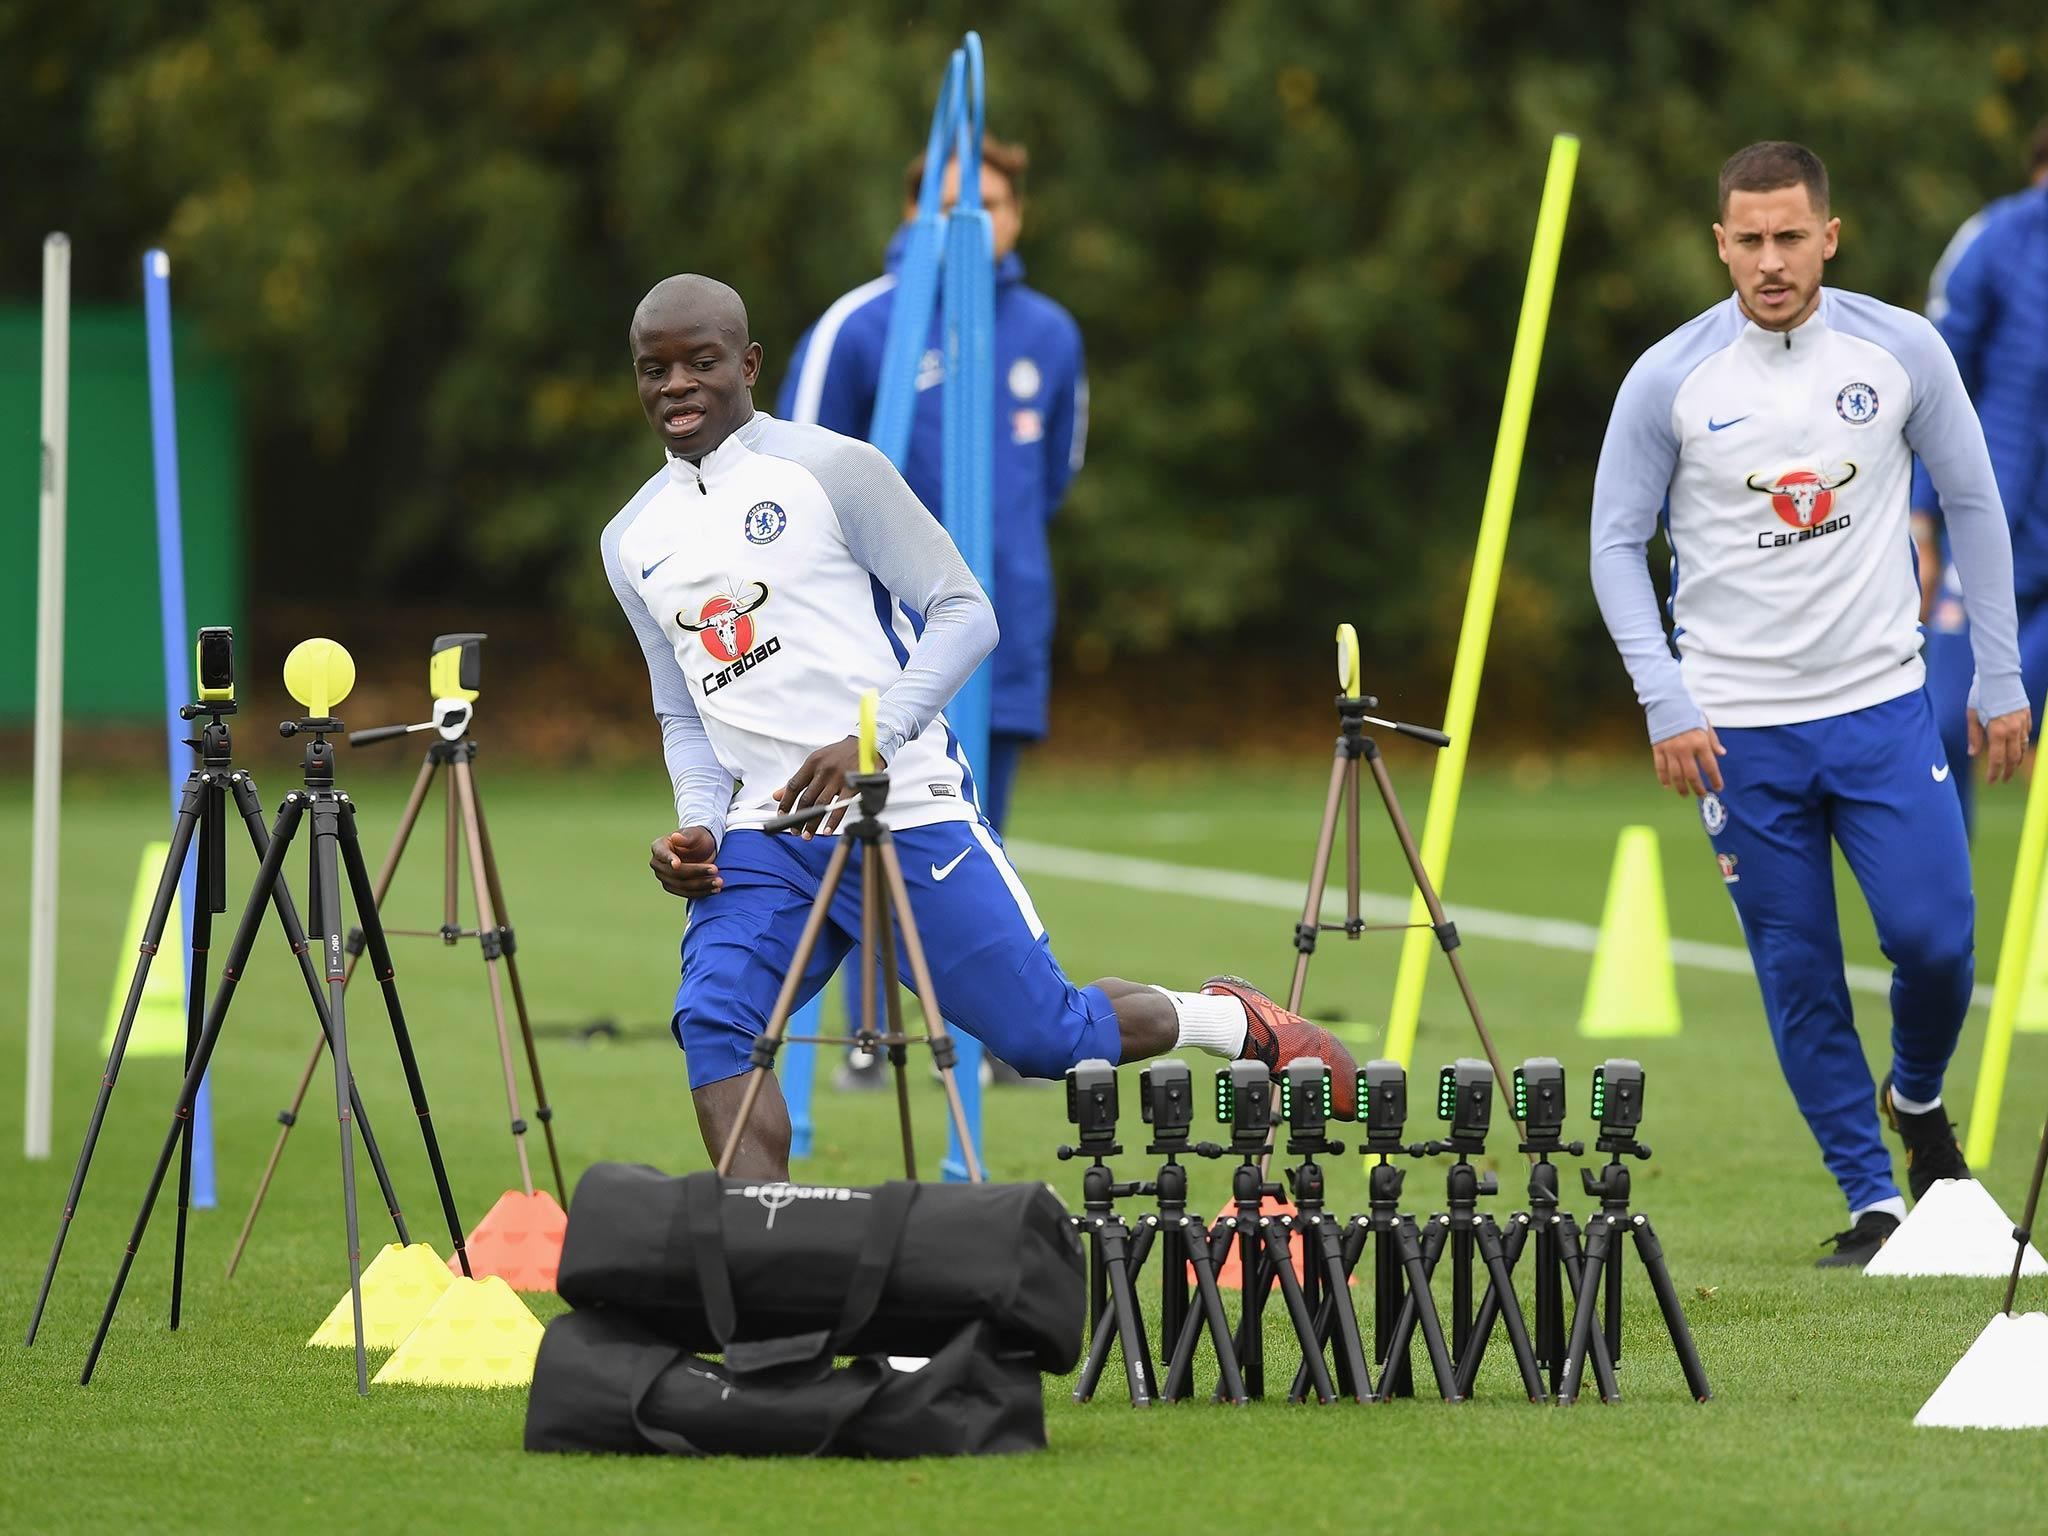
[(682, 863)]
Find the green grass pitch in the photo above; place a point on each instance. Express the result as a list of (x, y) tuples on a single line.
[(233, 1424)]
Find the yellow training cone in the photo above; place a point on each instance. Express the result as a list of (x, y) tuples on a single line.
[(1633, 991), (159, 1028), (399, 1289), (479, 1334)]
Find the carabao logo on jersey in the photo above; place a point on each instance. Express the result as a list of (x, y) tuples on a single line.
[(1805, 500), (726, 624)]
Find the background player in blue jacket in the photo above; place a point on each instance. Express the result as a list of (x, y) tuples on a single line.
[(1041, 433), (1989, 300)]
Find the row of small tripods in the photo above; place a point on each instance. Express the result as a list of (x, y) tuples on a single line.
[(1583, 1268)]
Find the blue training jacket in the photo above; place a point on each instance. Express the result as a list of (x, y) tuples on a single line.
[(1041, 430), (1993, 313)]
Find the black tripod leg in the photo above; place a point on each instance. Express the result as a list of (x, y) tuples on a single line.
[(327, 834), (1353, 1374), (1205, 1251), (212, 851), (1418, 1306), (1104, 1327), (1599, 1235), (1209, 1313), (152, 940), (1503, 1286), (1123, 1308), (1489, 1311), (1280, 1255), (1573, 1257), (1652, 1254), (251, 807), (1252, 1284), (372, 924), (231, 971), (542, 1111)]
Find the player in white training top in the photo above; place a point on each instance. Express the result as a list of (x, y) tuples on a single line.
[(1773, 438), (771, 571)]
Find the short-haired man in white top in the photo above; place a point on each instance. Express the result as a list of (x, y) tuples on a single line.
[(1773, 438)]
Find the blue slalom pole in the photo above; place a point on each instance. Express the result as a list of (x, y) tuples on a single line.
[(968, 466), (799, 1072), (917, 283), (177, 639)]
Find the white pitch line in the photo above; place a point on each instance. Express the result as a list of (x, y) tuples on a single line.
[(1208, 884)]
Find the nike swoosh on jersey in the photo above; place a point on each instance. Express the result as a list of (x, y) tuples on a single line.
[(940, 871), (648, 570), (1723, 426), (1940, 774)]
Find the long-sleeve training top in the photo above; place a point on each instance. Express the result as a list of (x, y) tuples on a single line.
[(767, 584), (1780, 463)]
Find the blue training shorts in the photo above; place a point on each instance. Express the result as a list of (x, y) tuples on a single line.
[(989, 956)]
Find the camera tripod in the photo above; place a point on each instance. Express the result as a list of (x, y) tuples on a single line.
[(1558, 1259), (1354, 714), (465, 827), (1400, 1283), (1464, 1229), (1114, 1258), (1264, 1256), (1326, 1276), (881, 881), (1182, 1243), (318, 674), (199, 833), (1603, 1233)]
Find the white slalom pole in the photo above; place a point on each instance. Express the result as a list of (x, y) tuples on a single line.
[(49, 748)]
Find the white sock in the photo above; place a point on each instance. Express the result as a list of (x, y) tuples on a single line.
[(1217, 1025), (1906, 1106), (1894, 1208)]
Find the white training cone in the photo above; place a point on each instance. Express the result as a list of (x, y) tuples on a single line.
[(1956, 1228), (2002, 1383)]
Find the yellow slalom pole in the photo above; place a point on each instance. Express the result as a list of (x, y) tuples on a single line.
[(1486, 567), (2012, 971), (864, 744)]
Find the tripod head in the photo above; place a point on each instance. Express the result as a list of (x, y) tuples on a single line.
[(1092, 1109), (1305, 1103), (453, 674), (1355, 707), (214, 666), (319, 674), (1618, 1108), (1464, 1096), (1540, 1106)]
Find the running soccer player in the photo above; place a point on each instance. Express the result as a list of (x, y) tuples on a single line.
[(1774, 436), (766, 569)]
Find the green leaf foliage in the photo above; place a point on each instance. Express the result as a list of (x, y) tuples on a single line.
[(1294, 235)]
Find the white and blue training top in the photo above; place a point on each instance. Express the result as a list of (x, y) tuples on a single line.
[(1780, 464), (768, 584)]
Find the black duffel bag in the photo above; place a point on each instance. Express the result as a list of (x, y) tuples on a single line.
[(1004, 1254), (604, 1382)]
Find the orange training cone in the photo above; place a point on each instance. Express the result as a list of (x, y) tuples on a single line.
[(519, 1240)]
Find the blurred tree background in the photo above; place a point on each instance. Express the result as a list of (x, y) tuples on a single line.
[(1294, 236)]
